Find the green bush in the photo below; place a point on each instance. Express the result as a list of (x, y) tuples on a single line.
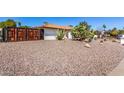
[(121, 31), (60, 35), (114, 33), (82, 31), (75, 33)]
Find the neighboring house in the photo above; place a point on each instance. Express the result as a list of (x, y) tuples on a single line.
[(50, 31), (122, 40), (121, 37), (102, 35)]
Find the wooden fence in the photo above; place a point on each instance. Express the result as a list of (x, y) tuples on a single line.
[(22, 34)]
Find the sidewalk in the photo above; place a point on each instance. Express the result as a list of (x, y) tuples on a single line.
[(119, 70)]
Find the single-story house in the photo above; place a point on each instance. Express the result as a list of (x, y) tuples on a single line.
[(50, 31), (44, 32), (121, 37)]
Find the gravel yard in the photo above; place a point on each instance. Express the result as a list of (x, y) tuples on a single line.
[(59, 58)]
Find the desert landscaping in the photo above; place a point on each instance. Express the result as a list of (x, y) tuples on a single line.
[(65, 57), (55, 50)]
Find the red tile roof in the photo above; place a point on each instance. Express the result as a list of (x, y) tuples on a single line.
[(55, 26)]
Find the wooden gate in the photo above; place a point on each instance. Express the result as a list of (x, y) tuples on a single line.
[(23, 34), (11, 34), (33, 34)]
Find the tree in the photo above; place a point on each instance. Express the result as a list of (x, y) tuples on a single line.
[(85, 25), (114, 28), (25, 26), (19, 24), (45, 23), (82, 31), (114, 32), (8, 23), (2, 24), (70, 25), (96, 32), (104, 27), (121, 31), (76, 32)]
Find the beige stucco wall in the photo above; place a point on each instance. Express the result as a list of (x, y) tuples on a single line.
[(51, 34)]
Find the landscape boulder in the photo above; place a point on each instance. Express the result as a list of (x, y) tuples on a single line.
[(86, 40), (114, 40), (101, 41), (87, 45)]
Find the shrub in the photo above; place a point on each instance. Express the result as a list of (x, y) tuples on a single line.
[(82, 31), (105, 39), (114, 32), (75, 33), (121, 31), (60, 35)]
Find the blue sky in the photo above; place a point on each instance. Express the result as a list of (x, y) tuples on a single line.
[(96, 22)]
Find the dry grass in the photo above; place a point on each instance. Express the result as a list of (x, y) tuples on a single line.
[(59, 58)]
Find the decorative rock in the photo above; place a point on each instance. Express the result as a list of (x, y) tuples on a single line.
[(105, 39), (55, 58), (87, 45), (101, 41), (114, 40), (86, 40)]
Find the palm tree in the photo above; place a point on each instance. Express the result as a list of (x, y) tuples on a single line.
[(104, 26), (19, 24), (114, 28), (45, 23)]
